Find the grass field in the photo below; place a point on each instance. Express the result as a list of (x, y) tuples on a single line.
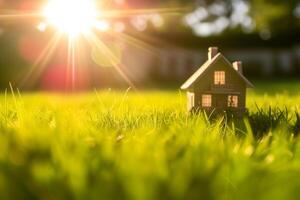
[(143, 145)]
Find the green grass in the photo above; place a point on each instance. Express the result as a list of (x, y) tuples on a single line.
[(119, 145)]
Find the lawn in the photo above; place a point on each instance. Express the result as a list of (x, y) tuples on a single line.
[(143, 145)]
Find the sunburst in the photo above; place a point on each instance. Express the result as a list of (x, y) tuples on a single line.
[(73, 17), (77, 18)]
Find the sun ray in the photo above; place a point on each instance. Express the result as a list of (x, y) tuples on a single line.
[(93, 40), (71, 64), (137, 43), (151, 39), (117, 13), (134, 12), (19, 16), (105, 14), (6, 14), (37, 68), (81, 17)]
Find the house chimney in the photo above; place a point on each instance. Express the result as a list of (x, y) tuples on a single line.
[(212, 52), (238, 66)]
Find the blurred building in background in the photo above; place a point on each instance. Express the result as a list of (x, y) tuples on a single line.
[(157, 48), (176, 64)]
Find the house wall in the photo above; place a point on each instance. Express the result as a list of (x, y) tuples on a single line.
[(190, 100), (203, 86)]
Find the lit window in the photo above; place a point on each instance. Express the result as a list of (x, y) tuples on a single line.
[(206, 100), (219, 77), (233, 101)]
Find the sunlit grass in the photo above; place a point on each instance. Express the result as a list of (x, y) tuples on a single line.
[(141, 145)]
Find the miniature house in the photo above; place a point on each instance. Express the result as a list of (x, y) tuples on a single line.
[(217, 85)]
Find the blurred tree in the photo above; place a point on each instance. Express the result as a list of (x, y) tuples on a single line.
[(275, 16), (214, 16)]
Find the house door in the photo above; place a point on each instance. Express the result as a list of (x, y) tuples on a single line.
[(221, 101), (191, 100)]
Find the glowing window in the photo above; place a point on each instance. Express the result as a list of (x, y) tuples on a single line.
[(233, 101), (206, 100), (219, 77)]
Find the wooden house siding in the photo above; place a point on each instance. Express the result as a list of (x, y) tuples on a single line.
[(202, 82), (205, 85)]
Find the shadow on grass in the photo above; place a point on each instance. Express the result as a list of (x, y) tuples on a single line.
[(262, 121)]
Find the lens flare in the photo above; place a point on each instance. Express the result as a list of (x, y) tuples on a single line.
[(73, 17), (76, 18)]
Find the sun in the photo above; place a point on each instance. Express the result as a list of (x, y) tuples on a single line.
[(73, 17)]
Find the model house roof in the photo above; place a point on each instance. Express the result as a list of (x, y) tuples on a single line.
[(209, 63)]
